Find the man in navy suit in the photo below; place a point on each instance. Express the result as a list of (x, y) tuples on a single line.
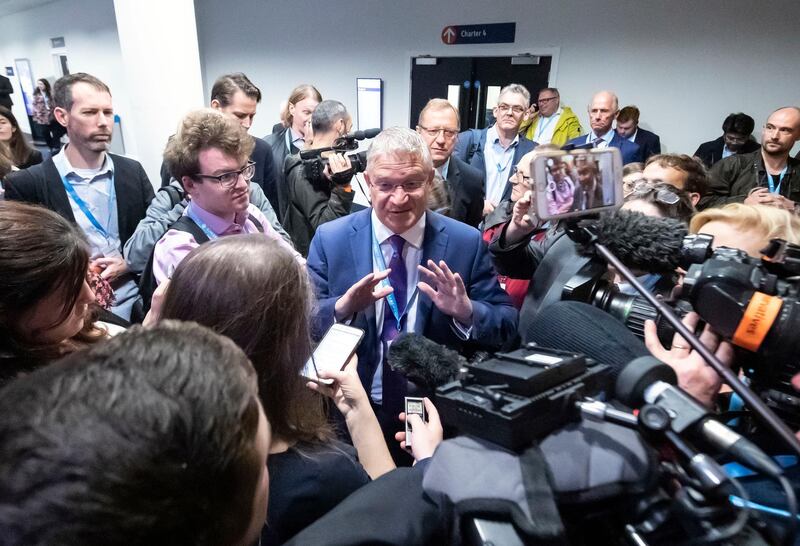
[(628, 127), (397, 267), (602, 112), (496, 149)]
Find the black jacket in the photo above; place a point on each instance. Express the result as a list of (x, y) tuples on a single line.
[(42, 185), (711, 152), (6, 89), (277, 142), (732, 179), (465, 185), (311, 204), (649, 143)]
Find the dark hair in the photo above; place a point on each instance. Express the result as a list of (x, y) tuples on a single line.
[(18, 147), (62, 89), (326, 114), (47, 91), (201, 129), (265, 308), (226, 87), (550, 89), (740, 123), (148, 438), (40, 253), (302, 91), (682, 210), (6, 163), (696, 174), (628, 113)]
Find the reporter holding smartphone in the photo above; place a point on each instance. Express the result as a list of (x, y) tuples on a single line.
[(254, 291)]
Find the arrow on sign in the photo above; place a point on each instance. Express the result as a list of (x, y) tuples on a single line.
[(448, 35)]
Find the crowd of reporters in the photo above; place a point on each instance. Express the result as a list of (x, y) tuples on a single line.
[(197, 427)]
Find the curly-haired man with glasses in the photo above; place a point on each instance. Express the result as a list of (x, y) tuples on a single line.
[(210, 156)]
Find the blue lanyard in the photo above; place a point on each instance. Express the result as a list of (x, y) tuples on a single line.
[(202, 225), (543, 126), (377, 255), (85, 208), (772, 188)]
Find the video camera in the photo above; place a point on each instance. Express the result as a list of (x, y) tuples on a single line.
[(755, 303), (314, 164)]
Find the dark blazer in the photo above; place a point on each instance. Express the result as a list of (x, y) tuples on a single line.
[(648, 141), (341, 254), (34, 159), (42, 185), (6, 89), (469, 149), (711, 152), (465, 185), (277, 142), (631, 152)]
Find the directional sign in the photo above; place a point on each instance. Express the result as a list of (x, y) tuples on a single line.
[(493, 33)]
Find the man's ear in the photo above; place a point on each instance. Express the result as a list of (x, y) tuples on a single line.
[(188, 183), (61, 115), (215, 104), (694, 197)]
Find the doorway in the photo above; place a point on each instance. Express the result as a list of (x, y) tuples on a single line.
[(472, 84)]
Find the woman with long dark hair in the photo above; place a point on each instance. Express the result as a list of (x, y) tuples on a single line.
[(252, 290), (22, 154), (43, 115), (46, 304)]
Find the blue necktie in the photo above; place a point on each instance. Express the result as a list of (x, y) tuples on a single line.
[(394, 383)]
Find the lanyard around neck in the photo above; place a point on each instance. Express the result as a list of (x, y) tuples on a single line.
[(770, 180), (202, 225), (391, 300), (85, 208)]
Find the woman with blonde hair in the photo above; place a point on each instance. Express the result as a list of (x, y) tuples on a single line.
[(747, 227)]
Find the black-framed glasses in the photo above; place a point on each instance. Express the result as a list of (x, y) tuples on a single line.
[(546, 99), (517, 110), (516, 174), (663, 195), (229, 179), (449, 134)]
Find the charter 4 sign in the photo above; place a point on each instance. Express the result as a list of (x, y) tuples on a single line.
[(491, 33)]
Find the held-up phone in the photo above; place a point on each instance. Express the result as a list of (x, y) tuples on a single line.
[(576, 183), (333, 352), (413, 406)]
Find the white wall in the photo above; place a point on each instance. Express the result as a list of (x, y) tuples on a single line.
[(685, 63), (90, 30)]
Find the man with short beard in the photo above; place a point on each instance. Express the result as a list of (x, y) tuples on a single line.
[(106, 195), (765, 177)]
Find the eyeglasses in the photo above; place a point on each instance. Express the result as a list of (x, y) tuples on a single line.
[(449, 134), (229, 180), (502, 107), (408, 187), (663, 195), (547, 99), (516, 174)]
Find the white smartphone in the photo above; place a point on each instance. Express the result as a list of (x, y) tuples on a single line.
[(333, 352), (414, 405), (576, 183)]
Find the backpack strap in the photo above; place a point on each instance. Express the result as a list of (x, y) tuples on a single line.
[(175, 194), (259, 225), (186, 224)]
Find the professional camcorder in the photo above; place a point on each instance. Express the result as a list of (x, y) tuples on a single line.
[(314, 164), (754, 303)]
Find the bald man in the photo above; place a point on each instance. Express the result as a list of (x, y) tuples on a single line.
[(767, 176), (602, 111)]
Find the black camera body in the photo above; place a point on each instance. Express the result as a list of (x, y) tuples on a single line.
[(753, 302), (515, 398), (314, 164)]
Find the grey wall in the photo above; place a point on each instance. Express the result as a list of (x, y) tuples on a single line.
[(685, 63)]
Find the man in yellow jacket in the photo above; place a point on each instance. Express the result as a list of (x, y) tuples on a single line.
[(553, 123)]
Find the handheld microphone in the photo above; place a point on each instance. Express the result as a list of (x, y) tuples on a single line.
[(423, 361), (648, 380), (644, 243)]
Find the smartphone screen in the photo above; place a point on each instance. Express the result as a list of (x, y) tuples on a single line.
[(333, 352), (576, 183)]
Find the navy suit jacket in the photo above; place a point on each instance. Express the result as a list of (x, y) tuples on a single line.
[(341, 254), (648, 141), (465, 184), (469, 149), (631, 153)]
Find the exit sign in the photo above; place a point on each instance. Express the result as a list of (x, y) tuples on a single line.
[(492, 33)]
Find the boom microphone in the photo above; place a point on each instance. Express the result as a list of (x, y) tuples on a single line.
[(648, 380), (423, 361), (644, 243)]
